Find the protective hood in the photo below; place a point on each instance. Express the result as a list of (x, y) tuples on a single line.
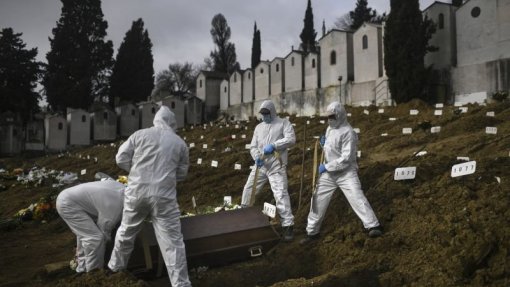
[(335, 108), (268, 104), (165, 119)]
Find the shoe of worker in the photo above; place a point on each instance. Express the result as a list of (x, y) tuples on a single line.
[(309, 239), (288, 233)]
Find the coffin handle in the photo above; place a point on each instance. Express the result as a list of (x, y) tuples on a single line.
[(255, 251)]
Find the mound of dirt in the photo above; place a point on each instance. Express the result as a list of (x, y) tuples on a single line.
[(439, 230)]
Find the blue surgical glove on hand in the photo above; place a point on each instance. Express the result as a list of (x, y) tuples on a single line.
[(323, 141), (322, 169), (269, 149), (259, 162)]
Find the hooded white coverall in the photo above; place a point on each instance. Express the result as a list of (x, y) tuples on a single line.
[(342, 171), (91, 210), (280, 133), (156, 159)]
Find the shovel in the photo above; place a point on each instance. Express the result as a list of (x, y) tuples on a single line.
[(315, 182), (254, 187)]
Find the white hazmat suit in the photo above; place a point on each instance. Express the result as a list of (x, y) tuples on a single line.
[(279, 133), (341, 171), (91, 210), (156, 159)]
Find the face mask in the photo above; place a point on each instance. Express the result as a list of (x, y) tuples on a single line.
[(333, 123), (266, 118)]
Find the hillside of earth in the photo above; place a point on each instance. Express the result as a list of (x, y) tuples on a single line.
[(438, 230)]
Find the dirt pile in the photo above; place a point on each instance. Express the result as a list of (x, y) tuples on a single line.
[(439, 230)]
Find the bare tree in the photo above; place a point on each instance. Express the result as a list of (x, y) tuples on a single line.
[(344, 22), (178, 79)]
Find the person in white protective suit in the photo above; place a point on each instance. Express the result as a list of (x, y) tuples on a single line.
[(156, 159), (91, 210), (268, 149), (339, 170)]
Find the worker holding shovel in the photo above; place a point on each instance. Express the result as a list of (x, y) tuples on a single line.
[(269, 144), (339, 170)]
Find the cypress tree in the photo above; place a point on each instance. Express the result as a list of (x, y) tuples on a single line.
[(255, 47), (19, 72), (133, 73), (224, 58), (362, 13), (308, 33), (80, 59), (405, 45)]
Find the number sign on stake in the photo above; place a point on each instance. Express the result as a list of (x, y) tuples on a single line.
[(307, 122), (243, 136), (349, 114), (201, 137), (403, 173), (233, 137), (438, 112), (194, 202), (435, 130), (464, 158), (393, 119), (463, 168), (422, 153), (463, 109), (384, 134), (490, 114), (269, 210), (407, 131), (356, 130), (381, 111), (227, 200), (199, 161), (439, 106), (214, 163), (366, 112), (83, 172), (322, 122), (359, 153), (237, 166), (204, 146), (413, 112), (247, 146), (237, 126), (191, 145), (491, 130)]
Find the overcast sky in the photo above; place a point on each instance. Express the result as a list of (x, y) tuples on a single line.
[(180, 29)]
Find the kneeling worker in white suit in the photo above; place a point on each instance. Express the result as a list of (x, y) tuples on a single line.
[(340, 170), (91, 210)]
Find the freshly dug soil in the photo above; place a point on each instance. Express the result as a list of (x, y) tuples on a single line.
[(438, 230)]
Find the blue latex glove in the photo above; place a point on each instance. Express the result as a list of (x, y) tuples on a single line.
[(269, 149), (322, 169), (259, 162), (323, 140)]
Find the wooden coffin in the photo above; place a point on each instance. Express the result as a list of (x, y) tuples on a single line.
[(212, 239)]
